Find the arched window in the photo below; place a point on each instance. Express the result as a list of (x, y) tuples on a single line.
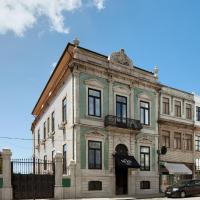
[(121, 149)]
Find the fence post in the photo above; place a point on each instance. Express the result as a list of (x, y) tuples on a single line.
[(7, 187), (58, 176)]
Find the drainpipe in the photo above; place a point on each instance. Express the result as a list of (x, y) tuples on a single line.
[(158, 151)]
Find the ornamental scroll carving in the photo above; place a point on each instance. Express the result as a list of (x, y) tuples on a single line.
[(121, 58)]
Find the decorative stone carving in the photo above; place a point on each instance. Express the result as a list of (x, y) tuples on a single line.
[(121, 58)]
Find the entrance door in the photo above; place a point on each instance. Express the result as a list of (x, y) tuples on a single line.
[(121, 173)]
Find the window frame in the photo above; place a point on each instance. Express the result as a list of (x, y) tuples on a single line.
[(64, 158), (144, 117), (121, 108), (53, 121), (177, 139), (177, 108), (89, 148), (64, 109), (38, 136), (188, 142), (44, 131), (165, 135), (197, 140), (197, 113), (94, 102), (188, 111), (146, 168), (165, 106), (45, 162), (145, 187)]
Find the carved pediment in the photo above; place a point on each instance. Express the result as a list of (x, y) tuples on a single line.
[(121, 89), (144, 96), (121, 58), (94, 83), (95, 134)]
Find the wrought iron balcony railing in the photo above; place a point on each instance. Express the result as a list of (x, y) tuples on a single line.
[(121, 122)]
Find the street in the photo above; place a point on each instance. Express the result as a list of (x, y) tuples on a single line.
[(165, 198)]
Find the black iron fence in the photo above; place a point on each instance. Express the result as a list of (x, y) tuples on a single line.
[(32, 166), (121, 122)]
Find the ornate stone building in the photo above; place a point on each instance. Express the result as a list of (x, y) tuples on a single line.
[(197, 135), (176, 131), (102, 113)]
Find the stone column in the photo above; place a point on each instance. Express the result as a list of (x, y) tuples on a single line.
[(7, 188), (58, 176), (111, 103), (132, 103), (74, 184)]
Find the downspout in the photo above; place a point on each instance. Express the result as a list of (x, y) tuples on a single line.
[(158, 151)]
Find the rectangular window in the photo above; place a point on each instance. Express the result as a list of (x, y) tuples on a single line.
[(48, 125), (166, 139), (44, 131), (64, 109), (177, 140), (165, 102), (94, 155), (145, 185), (64, 159), (121, 109), (197, 164), (188, 142), (94, 102), (53, 155), (197, 143), (45, 162), (53, 141), (38, 136), (188, 111), (145, 158), (177, 108), (198, 113), (94, 185), (144, 113), (52, 121)]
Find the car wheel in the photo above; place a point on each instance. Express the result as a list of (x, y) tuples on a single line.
[(182, 194)]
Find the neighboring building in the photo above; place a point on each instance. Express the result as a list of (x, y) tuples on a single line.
[(197, 135), (102, 113), (176, 131)]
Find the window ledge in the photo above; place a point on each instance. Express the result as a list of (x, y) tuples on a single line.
[(94, 118)]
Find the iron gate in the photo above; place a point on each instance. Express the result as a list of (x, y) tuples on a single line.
[(32, 179)]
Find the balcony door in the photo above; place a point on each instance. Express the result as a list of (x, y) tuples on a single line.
[(121, 109)]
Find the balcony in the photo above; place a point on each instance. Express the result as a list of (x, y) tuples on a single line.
[(121, 122)]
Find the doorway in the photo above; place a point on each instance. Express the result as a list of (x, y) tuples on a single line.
[(121, 173)]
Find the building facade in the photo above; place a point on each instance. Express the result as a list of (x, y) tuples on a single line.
[(176, 131), (197, 135), (102, 113)]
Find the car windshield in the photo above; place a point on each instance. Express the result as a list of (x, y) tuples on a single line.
[(181, 183)]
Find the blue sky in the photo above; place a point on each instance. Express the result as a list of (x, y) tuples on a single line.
[(165, 33)]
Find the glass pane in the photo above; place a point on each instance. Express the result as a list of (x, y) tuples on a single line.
[(146, 117), (147, 161), (98, 158), (142, 160), (91, 158), (121, 99), (91, 106), (94, 145), (97, 102), (144, 104), (94, 93), (144, 149), (142, 116), (118, 111), (124, 114)]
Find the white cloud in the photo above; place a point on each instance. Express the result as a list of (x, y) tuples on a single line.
[(19, 15), (99, 4)]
